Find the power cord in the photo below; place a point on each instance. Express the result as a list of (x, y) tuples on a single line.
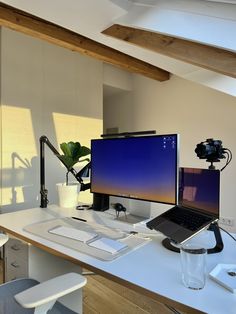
[(229, 157), (227, 233)]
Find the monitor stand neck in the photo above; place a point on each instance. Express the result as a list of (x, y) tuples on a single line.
[(216, 249), (100, 202)]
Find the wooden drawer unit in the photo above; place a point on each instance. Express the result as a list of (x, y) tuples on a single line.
[(16, 259)]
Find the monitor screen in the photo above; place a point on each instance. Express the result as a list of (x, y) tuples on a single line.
[(144, 167), (200, 189)]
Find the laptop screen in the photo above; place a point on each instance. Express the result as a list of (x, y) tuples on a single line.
[(200, 189)]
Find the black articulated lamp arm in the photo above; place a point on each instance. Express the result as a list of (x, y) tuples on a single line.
[(43, 191)]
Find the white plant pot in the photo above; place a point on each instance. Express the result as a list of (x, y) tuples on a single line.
[(68, 194)]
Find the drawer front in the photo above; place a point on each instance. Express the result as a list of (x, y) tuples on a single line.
[(16, 259), (15, 267), (14, 246)]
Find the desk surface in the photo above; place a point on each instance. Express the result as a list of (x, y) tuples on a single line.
[(151, 269)]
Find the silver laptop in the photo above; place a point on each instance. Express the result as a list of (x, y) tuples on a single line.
[(198, 206)]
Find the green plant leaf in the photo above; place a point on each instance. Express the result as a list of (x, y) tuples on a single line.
[(71, 149), (72, 153), (84, 151), (66, 149), (75, 150), (68, 161)]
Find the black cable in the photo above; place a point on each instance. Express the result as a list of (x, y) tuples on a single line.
[(227, 233), (229, 154), (227, 161), (229, 157)]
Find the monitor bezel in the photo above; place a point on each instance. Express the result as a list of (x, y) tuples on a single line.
[(136, 198)]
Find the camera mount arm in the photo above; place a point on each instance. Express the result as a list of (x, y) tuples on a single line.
[(78, 176)]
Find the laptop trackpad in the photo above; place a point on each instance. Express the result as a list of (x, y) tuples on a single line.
[(168, 227)]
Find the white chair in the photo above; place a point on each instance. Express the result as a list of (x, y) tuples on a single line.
[(26, 296)]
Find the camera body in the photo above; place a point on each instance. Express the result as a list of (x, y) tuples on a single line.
[(211, 150)]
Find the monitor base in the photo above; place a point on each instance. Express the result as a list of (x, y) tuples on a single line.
[(129, 218)]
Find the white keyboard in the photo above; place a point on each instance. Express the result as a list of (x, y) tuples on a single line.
[(72, 233)]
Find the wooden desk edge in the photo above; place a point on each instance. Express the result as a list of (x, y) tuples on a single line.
[(127, 284)]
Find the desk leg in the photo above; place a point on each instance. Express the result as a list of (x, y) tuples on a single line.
[(43, 266)]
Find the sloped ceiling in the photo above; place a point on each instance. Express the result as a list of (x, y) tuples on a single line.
[(208, 22)]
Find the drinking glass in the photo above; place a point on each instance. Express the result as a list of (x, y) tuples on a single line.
[(193, 262)]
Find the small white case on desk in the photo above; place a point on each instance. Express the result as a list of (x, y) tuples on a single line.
[(221, 275)]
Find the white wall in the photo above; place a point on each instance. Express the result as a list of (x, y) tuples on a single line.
[(45, 90), (118, 97), (117, 78), (120, 106), (193, 111)]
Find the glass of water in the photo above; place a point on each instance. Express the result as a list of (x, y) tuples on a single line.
[(193, 263)]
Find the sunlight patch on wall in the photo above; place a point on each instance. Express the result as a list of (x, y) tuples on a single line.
[(19, 135), (76, 128), (19, 149), (12, 196)]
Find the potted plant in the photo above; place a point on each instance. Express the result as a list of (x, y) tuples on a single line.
[(73, 151), (72, 154)]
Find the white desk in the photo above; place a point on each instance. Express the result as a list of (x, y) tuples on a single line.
[(151, 270)]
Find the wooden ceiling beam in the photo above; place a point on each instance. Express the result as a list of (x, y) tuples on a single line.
[(205, 56), (31, 25)]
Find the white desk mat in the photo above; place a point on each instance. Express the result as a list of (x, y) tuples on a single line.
[(131, 241)]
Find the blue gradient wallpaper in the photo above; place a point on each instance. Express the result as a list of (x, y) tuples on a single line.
[(136, 167), (200, 189)]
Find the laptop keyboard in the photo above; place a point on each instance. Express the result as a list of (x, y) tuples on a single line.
[(187, 219)]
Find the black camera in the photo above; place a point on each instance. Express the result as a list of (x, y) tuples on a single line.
[(211, 150)]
